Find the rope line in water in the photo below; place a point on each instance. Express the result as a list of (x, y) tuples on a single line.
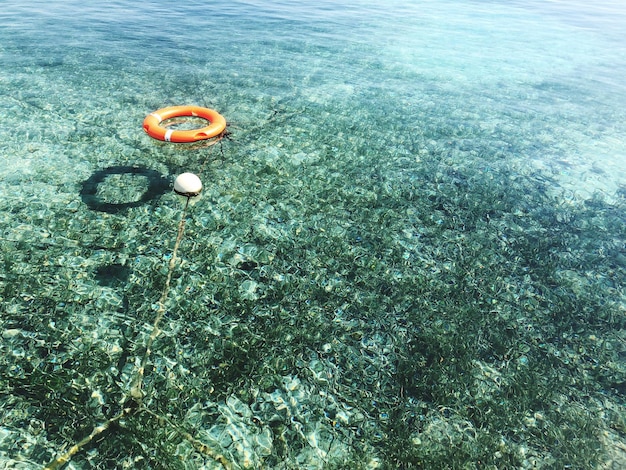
[(136, 389), (136, 393)]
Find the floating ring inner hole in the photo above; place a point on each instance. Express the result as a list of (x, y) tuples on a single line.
[(185, 123)]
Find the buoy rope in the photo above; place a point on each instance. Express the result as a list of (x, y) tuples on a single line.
[(136, 388), (65, 458), (136, 392), (132, 403)]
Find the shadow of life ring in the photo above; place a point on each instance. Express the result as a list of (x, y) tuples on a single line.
[(152, 124), (157, 185)]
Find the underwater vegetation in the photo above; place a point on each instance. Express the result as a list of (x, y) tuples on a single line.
[(344, 300), (409, 252), (347, 294)]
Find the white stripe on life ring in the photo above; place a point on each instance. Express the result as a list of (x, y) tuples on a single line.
[(168, 135)]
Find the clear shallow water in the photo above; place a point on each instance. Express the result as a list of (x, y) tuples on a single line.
[(410, 250)]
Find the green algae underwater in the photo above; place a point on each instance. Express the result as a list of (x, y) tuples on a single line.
[(389, 266), (482, 327)]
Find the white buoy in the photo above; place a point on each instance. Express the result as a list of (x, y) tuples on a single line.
[(187, 184)]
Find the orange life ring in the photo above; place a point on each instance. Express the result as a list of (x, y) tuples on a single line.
[(152, 124)]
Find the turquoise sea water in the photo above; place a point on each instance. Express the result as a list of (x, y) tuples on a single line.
[(410, 249)]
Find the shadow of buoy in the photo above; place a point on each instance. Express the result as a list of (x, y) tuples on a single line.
[(157, 185)]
